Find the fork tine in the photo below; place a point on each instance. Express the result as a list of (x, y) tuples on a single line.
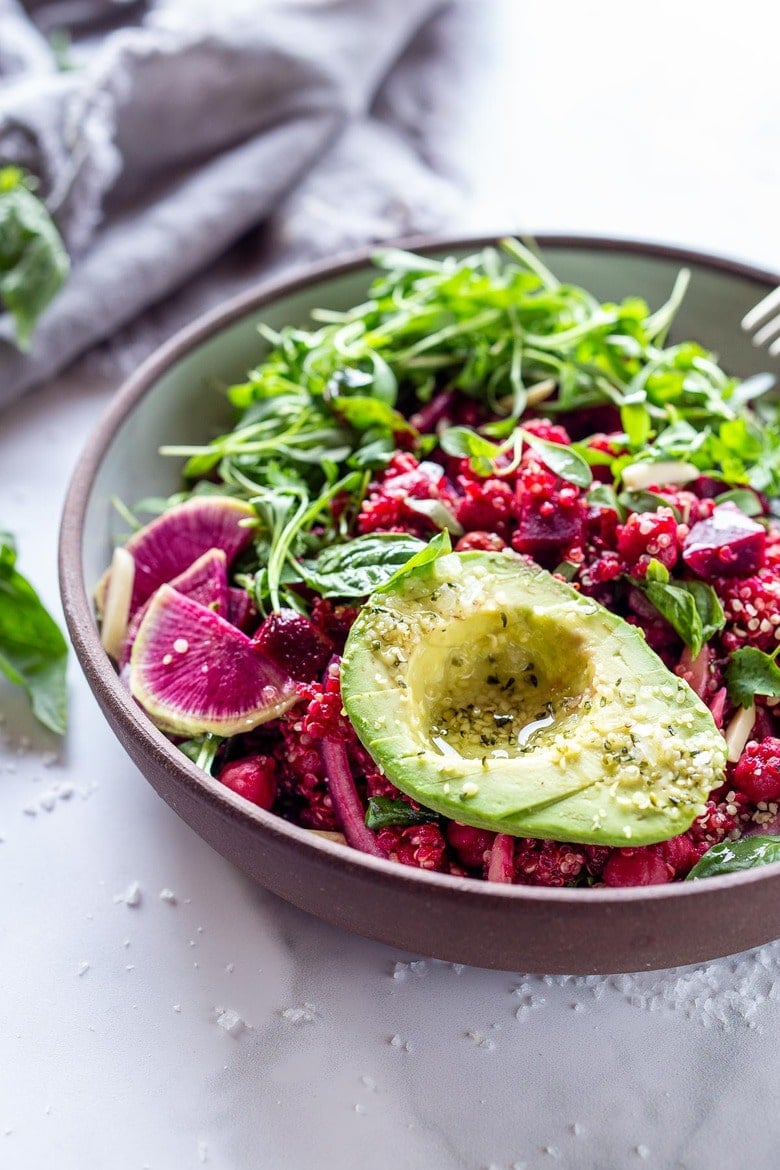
[(767, 331), (764, 307)]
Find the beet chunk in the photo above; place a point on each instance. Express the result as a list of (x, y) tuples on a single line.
[(728, 544), (295, 643)]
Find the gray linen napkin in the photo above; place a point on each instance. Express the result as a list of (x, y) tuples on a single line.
[(190, 123)]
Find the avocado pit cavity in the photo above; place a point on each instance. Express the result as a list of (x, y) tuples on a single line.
[(494, 686)]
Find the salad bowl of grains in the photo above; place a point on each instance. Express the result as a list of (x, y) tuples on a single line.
[(439, 590)]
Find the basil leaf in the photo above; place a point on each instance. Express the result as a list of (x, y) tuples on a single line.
[(750, 672), (692, 608), (360, 566), (678, 607), (33, 260), (713, 619), (746, 500), (33, 652), (465, 443), (386, 811), (735, 856), (644, 501), (437, 547), (603, 495), (563, 460)]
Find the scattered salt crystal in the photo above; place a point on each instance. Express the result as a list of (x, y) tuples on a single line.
[(177, 1007), (125, 942), (553, 1151), (83, 968), (230, 1021), (167, 895), (203, 1152), (398, 1042), (30, 810), (457, 968), (418, 966), (131, 896), (519, 1166), (400, 970), (369, 1082), (482, 1041), (360, 1108), (643, 1151), (577, 1129), (130, 967), (306, 1013), (229, 968), (49, 759), (64, 791)]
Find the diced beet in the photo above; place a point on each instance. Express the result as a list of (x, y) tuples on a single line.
[(546, 529), (470, 844), (637, 867), (728, 544), (253, 777), (295, 643)]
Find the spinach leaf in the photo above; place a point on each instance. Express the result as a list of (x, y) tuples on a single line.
[(734, 856), (563, 460), (384, 811), (751, 672), (33, 260), (360, 566), (33, 652)]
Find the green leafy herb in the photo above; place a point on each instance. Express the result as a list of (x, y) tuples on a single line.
[(33, 260), (746, 500), (735, 856), (692, 608), (438, 546), (644, 501), (33, 652), (563, 460), (385, 811), (360, 566), (202, 750), (751, 672)]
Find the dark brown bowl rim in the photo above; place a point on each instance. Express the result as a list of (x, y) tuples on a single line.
[(116, 700)]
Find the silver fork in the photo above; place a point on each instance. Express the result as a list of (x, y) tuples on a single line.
[(767, 311)]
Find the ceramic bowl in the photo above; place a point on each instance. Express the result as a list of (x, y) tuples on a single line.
[(175, 397)]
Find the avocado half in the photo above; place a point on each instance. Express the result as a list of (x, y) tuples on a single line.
[(498, 696)]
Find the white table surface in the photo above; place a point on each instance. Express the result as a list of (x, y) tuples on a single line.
[(110, 1051)]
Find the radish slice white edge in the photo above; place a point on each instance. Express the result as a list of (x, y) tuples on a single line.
[(116, 609)]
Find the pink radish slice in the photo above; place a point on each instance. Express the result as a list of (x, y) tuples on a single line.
[(193, 672)]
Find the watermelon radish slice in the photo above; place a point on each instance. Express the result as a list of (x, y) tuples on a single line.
[(205, 581), (193, 672), (168, 545)]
